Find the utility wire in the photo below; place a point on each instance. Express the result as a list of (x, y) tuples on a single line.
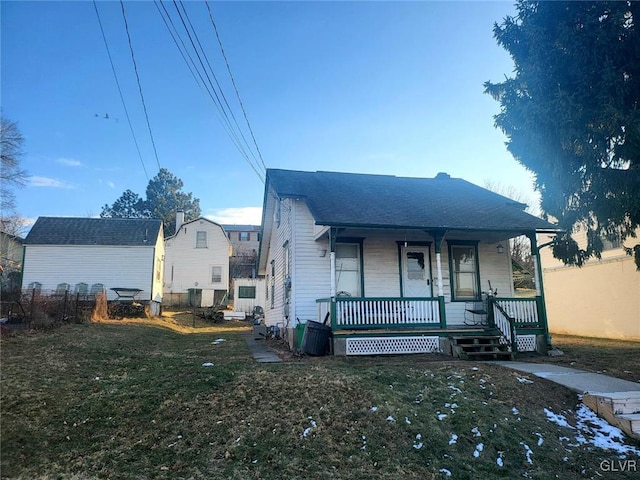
[(235, 87), (204, 54), (135, 67), (216, 95), (113, 69), (184, 51)]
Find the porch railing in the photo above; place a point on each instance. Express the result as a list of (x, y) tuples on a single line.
[(354, 313), (524, 311), (505, 323)]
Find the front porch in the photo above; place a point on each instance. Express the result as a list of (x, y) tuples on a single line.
[(388, 325)]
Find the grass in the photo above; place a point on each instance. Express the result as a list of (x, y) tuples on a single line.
[(618, 358), (133, 400)]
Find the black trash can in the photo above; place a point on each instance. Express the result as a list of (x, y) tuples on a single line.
[(315, 340)]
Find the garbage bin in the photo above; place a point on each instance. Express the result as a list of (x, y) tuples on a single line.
[(315, 340)]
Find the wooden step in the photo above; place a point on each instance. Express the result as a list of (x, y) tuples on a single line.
[(620, 409), (497, 355)]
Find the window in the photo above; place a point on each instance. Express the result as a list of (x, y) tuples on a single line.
[(348, 278), (463, 263), (415, 266), (246, 292), (216, 274), (201, 239), (244, 236), (611, 242)]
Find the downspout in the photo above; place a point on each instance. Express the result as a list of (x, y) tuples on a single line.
[(332, 272)]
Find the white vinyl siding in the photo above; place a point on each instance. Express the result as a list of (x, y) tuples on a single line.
[(189, 267), (113, 266)]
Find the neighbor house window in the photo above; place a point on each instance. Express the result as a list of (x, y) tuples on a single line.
[(245, 237), (246, 292), (463, 263), (201, 239), (216, 274)]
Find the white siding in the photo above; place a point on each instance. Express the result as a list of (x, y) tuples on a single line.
[(113, 266), (246, 304), (158, 268), (189, 267), (280, 234)]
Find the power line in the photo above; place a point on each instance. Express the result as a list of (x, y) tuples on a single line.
[(213, 96), (135, 140), (203, 68), (135, 67), (235, 87)]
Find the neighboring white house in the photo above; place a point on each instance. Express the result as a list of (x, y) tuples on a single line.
[(88, 254), (599, 299), (196, 263), (395, 264), (11, 252)]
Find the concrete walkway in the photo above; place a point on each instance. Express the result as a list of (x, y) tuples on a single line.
[(260, 351), (579, 381)]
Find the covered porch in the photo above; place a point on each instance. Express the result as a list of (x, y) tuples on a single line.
[(450, 267)]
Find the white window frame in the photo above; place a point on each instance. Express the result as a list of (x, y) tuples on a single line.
[(201, 242), (213, 274)]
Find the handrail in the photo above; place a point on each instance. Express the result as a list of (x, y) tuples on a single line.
[(505, 324)]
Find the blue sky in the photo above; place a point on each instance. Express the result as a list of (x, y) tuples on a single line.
[(371, 87)]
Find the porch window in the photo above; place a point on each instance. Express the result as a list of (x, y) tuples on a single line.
[(463, 261), (216, 274), (201, 239), (348, 277)]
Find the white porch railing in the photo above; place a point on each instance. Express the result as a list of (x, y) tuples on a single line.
[(504, 325), (384, 312), (523, 310)]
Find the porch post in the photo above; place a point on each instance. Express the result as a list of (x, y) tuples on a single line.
[(332, 262), (537, 275), (437, 237)]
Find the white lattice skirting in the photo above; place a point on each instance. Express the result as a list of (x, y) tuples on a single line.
[(392, 345), (526, 343)]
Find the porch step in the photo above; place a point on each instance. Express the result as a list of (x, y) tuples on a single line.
[(480, 347), (621, 409)]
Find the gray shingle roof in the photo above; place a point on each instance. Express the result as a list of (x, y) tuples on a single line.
[(347, 199), (93, 231)]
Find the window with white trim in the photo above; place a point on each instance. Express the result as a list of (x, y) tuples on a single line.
[(348, 276), (248, 291), (201, 239), (463, 260), (216, 274)]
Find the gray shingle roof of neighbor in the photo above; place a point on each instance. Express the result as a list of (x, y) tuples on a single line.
[(94, 231), (385, 201)]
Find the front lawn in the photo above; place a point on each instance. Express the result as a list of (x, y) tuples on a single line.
[(162, 399)]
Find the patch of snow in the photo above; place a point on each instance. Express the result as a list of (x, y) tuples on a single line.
[(442, 416), (207, 364), (306, 432), (374, 409), (218, 341), (454, 439), (364, 442), (524, 380), (515, 411), (390, 419), (528, 452), (475, 369), (97, 378), (418, 444), (476, 432), (445, 471), (540, 439), (454, 388), (407, 421), (499, 460), (600, 433), (478, 450)]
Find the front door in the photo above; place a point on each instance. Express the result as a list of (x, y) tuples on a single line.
[(416, 272)]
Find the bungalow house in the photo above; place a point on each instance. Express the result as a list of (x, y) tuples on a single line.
[(196, 263), (599, 299), (396, 265), (84, 255)]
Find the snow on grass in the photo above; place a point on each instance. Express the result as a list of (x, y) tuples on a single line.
[(499, 460), (478, 450), (540, 439), (524, 380), (418, 444), (373, 409), (515, 411), (407, 421), (476, 432), (528, 452), (218, 341), (454, 439), (445, 471), (207, 364), (442, 416), (391, 419), (308, 430), (364, 442)]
